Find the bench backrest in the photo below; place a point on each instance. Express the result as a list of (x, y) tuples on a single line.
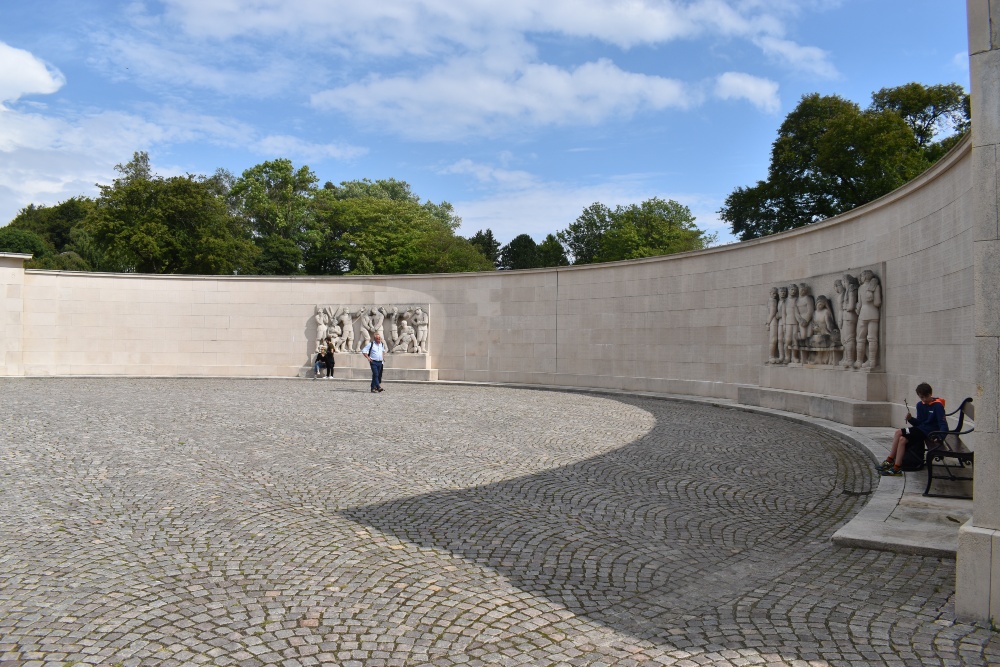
[(961, 411)]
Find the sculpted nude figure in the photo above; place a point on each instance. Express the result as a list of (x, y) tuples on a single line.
[(791, 324), (805, 306), (772, 326), (838, 303), (848, 328), (343, 316), (321, 326), (419, 322), (406, 339), (366, 326), (782, 305), (335, 333), (393, 317), (377, 317), (869, 311)]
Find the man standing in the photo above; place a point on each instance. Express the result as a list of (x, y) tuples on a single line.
[(374, 352)]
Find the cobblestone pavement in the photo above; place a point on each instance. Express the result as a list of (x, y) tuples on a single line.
[(301, 522)]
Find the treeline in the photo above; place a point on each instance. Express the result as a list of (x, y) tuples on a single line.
[(600, 234), (275, 219), (831, 155)]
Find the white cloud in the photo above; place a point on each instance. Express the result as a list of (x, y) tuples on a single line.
[(808, 59), (419, 26), (45, 159), (21, 74), (488, 174), (294, 147), (463, 97), (762, 93)]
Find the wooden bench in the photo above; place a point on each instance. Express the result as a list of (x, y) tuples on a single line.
[(946, 449)]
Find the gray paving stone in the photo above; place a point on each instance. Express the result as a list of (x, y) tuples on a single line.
[(242, 522)]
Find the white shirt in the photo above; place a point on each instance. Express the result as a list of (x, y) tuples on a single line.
[(375, 353)]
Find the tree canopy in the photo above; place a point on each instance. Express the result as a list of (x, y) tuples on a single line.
[(270, 220), (274, 219), (653, 227), (831, 156)]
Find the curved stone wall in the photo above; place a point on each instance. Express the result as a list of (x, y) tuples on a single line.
[(691, 323)]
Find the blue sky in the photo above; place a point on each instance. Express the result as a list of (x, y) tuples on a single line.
[(521, 113)]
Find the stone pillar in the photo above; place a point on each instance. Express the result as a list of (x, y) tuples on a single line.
[(11, 312), (978, 577)]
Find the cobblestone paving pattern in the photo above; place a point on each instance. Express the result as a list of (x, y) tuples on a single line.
[(301, 522)]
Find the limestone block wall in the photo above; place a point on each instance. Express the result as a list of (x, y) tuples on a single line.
[(11, 312), (691, 323)]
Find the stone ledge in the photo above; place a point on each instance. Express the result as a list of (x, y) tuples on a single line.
[(833, 408)]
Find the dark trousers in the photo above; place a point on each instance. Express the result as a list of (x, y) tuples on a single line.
[(376, 374)]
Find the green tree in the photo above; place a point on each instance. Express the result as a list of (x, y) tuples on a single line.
[(393, 190), (551, 252), (392, 235), (63, 261), (22, 241), (274, 198), (148, 224), (520, 253), (831, 156), (583, 237), (387, 188), (928, 110), (277, 256), (487, 244), (654, 227), (54, 223)]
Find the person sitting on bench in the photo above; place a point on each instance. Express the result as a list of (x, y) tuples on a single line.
[(908, 443)]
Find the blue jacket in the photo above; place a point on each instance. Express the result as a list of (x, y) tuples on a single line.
[(930, 417)]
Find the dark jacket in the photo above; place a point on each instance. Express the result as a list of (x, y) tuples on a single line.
[(930, 416), (328, 359)]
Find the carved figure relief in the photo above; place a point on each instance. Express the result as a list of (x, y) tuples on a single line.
[(791, 324), (869, 311), (772, 327), (841, 332), (404, 328), (782, 305)]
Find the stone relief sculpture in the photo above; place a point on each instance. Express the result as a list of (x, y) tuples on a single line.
[(869, 311), (791, 325), (419, 322), (838, 305), (404, 328), (392, 316), (347, 327), (322, 320), (782, 305), (839, 332), (825, 335), (850, 322), (805, 306), (772, 327), (407, 341), (364, 317)]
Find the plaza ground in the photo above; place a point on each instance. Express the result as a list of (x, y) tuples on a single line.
[(302, 522)]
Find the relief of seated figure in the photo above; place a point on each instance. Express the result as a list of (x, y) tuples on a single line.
[(825, 338)]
